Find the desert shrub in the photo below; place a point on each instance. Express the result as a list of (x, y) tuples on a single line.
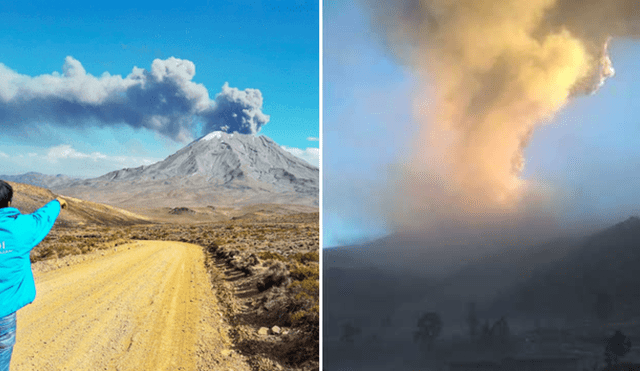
[(219, 242), (236, 261), (67, 249), (44, 253), (247, 270), (306, 306), (212, 248), (246, 264), (68, 239), (253, 260), (276, 276), (302, 272), (222, 253), (91, 242), (304, 258), (268, 255), (304, 309)]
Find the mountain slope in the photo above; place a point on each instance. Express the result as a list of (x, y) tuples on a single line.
[(28, 198), (602, 264), (219, 168)]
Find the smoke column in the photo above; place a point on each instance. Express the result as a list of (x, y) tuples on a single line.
[(236, 111), (491, 72)]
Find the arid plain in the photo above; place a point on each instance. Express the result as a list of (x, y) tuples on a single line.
[(172, 288)]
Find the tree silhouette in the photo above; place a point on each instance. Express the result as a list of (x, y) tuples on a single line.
[(486, 332), (617, 346), (429, 327), (472, 321), (348, 332), (499, 335), (500, 331)]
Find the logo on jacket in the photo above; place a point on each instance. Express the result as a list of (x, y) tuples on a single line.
[(3, 249)]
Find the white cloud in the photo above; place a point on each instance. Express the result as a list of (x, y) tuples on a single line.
[(311, 155), (313, 139), (66, 151), (64, 159), (129, 161)]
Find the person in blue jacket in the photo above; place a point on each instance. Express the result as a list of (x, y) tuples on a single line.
[(19, 234)]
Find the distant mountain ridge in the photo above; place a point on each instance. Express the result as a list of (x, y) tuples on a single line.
[(218, 168), (39, 179), (563, 277)]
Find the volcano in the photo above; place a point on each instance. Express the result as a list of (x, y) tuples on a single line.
[(217, 169)]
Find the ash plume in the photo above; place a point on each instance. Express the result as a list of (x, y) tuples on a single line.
[(165, 100), (236, 111), (490, 72)]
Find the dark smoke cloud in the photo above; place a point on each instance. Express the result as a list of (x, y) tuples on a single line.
[(164, 100), (237, 111)]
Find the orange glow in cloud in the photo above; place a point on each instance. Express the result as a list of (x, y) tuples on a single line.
[(492, 71)]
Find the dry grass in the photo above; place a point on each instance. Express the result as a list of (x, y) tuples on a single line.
[(80, 213)]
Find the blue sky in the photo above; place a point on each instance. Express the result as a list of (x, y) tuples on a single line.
[(271, 46), (366, 122), (589, 150)]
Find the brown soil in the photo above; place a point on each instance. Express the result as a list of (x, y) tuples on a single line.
[(140, 306), (28, 198)]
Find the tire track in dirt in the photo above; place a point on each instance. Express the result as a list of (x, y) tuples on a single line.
[(148, 306)]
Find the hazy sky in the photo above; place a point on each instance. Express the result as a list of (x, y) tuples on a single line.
[(91, 88), (587, 155)]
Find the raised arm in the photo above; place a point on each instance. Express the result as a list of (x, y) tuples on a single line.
[(42, 220)]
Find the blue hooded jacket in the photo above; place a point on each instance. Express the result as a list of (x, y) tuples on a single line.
[(19, 234)]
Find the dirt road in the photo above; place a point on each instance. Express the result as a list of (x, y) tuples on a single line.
[(146, 306)]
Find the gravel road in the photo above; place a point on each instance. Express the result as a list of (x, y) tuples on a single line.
[(143, 306)]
